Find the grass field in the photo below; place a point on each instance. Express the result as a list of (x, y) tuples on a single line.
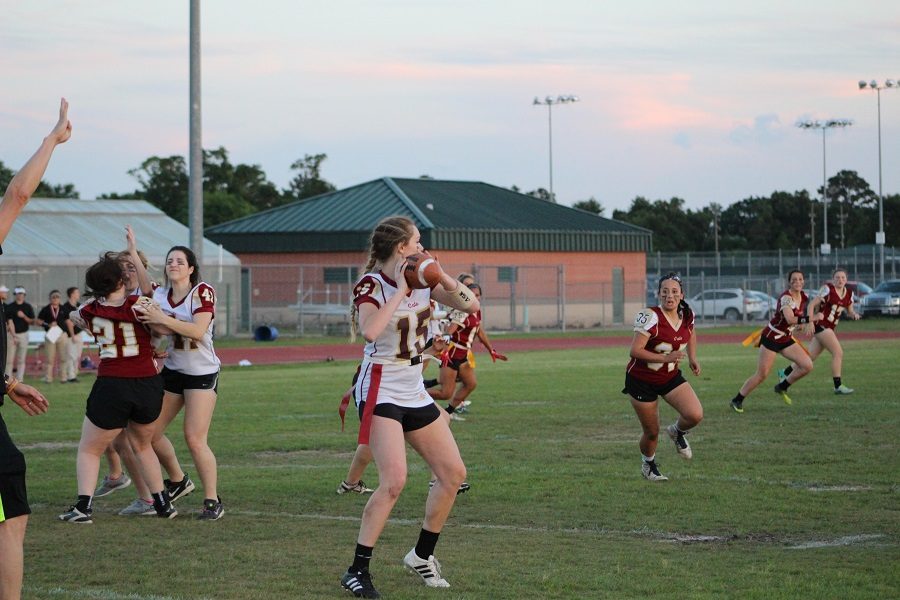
[(780, 502)]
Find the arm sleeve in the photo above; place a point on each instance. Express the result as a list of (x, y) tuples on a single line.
[(645, 321)]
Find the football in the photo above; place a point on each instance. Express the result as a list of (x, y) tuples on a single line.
[(422, 271)]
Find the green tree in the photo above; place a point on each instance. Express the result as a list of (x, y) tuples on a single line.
[(308, 182), (44, 189), (849, 210), (590, 205), (164, 184)]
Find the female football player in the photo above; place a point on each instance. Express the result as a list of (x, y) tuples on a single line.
[(186, 307), (834, 299), (663, 336), (120, 450), (463, 329), (393, 403), (776, 338), (127, 393)]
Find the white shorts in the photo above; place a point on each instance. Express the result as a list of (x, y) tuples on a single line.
[(398, 384)]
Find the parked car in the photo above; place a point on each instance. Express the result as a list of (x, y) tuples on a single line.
[(884, 300), (860, 290), (769, 303), (727, 303)]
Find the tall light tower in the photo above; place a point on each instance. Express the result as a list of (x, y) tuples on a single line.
[(824, 125), (549, 102), (879, 235)]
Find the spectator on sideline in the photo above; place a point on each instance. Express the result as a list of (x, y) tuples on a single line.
[(56, 343), (19, 317), (72, 361), (13, 495)]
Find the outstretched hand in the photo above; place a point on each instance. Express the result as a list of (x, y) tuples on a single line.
[(29, 399), (129, 239), (62, 131), (495, 356)]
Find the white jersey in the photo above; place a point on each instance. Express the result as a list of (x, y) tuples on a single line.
[(398, 349), (191, 357)]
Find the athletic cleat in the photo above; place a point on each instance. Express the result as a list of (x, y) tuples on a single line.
[(650, 471), (456, 417), (76, 516), (169, 513), (681, 444), (179, 489), (359, 583), (462, 489), (781, 375), (357, 488), (466, 403), (212, 510), (783, 394), (428, 569), (843, 390), (111, 485), (737, 406), (138, 508)]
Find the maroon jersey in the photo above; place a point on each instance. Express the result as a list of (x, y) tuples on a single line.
[(125, 349), (778, 329), (832, 305), (463, 337), (663, 339)]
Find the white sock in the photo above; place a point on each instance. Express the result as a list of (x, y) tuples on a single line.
[(648, 458)]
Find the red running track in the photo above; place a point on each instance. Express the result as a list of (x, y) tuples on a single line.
[(263, 354)]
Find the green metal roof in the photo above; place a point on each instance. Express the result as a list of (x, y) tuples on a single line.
[(451, 215), (65, 232)]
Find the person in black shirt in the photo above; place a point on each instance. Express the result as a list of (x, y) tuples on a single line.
[(70, 363), (14, 509), (19, 317), (56, 342)]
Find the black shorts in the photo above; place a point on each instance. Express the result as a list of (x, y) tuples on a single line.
[(819, 329), (643, 391), (410, 418), (175, 382), (456, 363), (13, 496), (114, 401), (775, 346)]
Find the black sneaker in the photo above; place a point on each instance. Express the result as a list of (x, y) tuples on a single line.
[(179, 489), (737, 406), (212, 510), (168, 512), (359, 583), (73, 515)]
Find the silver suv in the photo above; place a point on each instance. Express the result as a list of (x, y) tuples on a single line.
[(730, 304)]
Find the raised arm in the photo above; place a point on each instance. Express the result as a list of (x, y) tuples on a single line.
[(143, 278), (23, 184)]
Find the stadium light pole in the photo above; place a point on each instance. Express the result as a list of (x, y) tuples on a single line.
[(549, 102), (879, 235), (824, 126), (195, 186)]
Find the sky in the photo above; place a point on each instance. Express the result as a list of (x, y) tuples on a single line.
[(692, 99)]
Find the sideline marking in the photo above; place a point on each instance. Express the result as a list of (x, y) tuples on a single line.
[(662, 536)]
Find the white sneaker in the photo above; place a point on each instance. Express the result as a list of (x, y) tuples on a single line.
[(456, 417), (843, 390), (651, 471), (429, 570), (681, 444)]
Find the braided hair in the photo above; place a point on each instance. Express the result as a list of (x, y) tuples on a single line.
[(385, 238)]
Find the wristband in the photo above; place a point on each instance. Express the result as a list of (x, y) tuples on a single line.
[(11, 384), (803, 319)]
